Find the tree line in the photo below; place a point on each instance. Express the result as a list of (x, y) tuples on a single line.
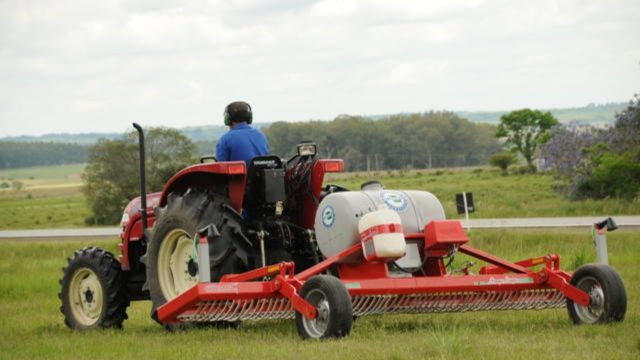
[(424, 140), (24, 154)]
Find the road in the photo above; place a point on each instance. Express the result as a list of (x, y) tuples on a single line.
[(624, 222)]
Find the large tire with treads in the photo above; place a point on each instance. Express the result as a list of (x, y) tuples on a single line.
[(93, 290), (171, 243)]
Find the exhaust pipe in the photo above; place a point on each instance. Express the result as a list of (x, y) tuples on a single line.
[(143, 177)]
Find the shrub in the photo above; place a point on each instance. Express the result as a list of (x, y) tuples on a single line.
[(521, 170), (502, 160), (17, 185), (612, 175)]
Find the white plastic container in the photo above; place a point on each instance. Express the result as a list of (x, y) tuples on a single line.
[(381, 235)]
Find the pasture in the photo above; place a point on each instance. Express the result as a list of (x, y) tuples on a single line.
[(31, 325), (50, 198)]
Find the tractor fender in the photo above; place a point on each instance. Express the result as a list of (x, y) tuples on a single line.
[(213, 176)]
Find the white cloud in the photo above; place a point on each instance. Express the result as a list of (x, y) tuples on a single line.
[(98, 65)]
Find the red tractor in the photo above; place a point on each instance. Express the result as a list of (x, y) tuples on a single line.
[(223, 243)]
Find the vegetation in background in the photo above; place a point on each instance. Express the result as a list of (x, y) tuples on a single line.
[(524, 130), (112, 174), (23, 151), (502, 160), (596, 163), (433, 139), (22, 154), (31, 325)]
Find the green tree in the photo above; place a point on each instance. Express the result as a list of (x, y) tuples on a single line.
[(502, 160), (525, 129), (111, 178)]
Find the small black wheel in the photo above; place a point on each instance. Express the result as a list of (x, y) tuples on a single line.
[(333, 304), (93, 293), (607, 292)]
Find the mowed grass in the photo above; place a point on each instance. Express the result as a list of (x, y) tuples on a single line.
[(31, 325), (495, 196), (51, 198)]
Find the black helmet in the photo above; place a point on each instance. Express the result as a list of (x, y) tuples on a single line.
[(238, 111)]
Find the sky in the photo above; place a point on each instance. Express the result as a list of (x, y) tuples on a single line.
[(96, 66)]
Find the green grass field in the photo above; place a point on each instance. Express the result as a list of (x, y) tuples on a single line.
[(43, 208), (53, 198), (31, 325)]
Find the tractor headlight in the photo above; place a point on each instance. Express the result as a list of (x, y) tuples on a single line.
[(306, 149), (124, 220)]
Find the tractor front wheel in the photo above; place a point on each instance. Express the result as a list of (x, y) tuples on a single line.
[(607, 292), (333, 306), (93, 291)]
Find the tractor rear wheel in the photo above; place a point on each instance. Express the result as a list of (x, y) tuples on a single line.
[(93, 291), (333, 305), (171, 252), (607, 292)]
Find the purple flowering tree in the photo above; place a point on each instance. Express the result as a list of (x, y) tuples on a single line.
[(626, 132), (590, 162), (568, 147)]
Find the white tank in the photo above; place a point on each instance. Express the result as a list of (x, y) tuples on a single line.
[(338, 215)]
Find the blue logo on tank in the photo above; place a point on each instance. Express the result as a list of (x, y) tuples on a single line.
[(328, 216), (395, 200)]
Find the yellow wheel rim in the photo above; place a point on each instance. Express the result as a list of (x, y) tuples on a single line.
[(86, 297), (174, 255)]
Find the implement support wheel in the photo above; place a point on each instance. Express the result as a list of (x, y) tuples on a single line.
[(333, 305), (608, 296)]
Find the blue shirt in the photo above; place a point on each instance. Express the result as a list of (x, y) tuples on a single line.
[(242, 142)]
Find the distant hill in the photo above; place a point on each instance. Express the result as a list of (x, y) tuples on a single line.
[(591, 114), (81, 138)]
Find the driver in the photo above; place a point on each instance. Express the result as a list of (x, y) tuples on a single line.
[(242, 142)]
